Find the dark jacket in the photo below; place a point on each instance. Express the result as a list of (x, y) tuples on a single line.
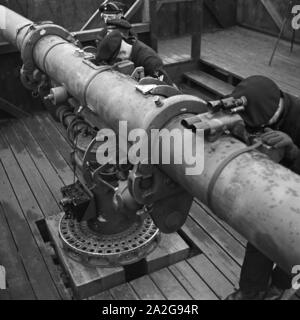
[(290, 124), (117, 24), (144, 56)]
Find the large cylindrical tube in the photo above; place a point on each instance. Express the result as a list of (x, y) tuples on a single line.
[(257, 197), (254, 195), (14, 27)]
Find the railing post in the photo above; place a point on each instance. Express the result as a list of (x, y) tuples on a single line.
[(197, 14), (153, 24)]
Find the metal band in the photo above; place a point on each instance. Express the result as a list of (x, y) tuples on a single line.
[(47, 52), (93, 76), (221, 168), (20, 29), (34, 35)]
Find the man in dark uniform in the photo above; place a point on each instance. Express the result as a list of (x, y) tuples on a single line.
[(277, 116), (112, 15), (114, 47)]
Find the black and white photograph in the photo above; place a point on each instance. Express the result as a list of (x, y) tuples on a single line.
[(149, 153)]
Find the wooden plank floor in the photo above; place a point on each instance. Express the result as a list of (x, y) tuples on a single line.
[(31, 174), (34, 165), (242, 52)]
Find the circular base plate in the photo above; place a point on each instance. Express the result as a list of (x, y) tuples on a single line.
[(130, 246)]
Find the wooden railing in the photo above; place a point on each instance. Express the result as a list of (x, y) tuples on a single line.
[(267, 16), (197, 23)]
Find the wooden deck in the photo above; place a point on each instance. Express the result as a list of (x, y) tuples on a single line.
[(34, 165), (243, 53)]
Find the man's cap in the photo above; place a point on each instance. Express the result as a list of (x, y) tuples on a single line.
[(263, 97), (111, 7), (109, 47)]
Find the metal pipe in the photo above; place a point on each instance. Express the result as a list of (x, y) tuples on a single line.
[(15, 27), (254, 195), (257, 197)]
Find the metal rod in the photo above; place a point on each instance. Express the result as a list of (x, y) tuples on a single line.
[(285, 21), (133, 9), (293, 40), (94, 15), (278, 40)]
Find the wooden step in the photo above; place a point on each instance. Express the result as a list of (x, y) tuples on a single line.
[(188, 89), (210, 83), (90, 281)]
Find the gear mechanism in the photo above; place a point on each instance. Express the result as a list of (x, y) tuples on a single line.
[(85, 245)]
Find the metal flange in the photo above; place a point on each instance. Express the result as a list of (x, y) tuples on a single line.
[(172, 107), (37, 31)]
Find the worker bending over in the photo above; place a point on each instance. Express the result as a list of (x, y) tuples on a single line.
[(114, 48), (277, 116)]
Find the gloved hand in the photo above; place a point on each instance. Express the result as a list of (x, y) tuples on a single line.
[(280, 140), (239, 131)]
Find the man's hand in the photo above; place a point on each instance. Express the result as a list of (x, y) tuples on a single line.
[(239, 131), (280, 140)]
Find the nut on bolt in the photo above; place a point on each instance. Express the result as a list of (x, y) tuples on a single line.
[(158, 102), (79, 53), (49, 97)]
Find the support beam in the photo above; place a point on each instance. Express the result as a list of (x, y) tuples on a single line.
[(146, 11), (197, 14), (153, 24), (134, 9), (89, 35), (11, 109), (214, 11), (275, 15), (162, 2), (91, 19)]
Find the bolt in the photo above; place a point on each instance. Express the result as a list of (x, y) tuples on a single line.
[(79, 53), (158, 102), (49, 96), (80, 109)]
